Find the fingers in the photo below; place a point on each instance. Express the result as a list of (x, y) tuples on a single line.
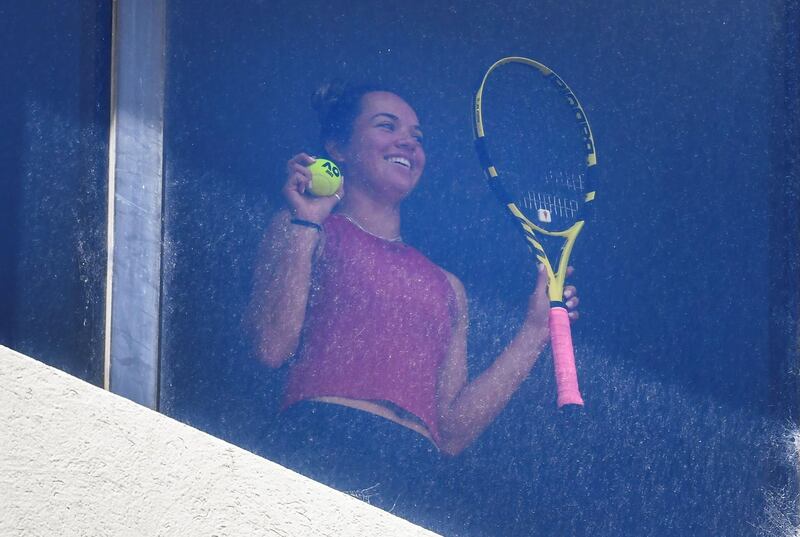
[(298, 176), (571, 301), (329, 202), (571, 293), (303, 159), (339, 194), (299, 162)]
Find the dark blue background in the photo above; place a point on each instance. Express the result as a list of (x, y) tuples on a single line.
[(55, 67), (686, 276)]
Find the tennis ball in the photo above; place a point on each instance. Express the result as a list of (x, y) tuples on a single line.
[(325, 177)]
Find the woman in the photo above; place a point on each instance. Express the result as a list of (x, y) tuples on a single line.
[(369, 322)]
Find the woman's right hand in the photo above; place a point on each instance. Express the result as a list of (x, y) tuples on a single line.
[(304, 206)]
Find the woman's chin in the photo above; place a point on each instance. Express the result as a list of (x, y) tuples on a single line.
[(400, 190), (391, 187), (403, 184)]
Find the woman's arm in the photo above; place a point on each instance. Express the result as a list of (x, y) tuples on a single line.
[(280, 288), (282, 278), (467, 408)]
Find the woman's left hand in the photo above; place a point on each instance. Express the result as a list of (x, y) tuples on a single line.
[(539, 303)]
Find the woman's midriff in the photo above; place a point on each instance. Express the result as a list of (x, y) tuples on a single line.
[(379, 410)]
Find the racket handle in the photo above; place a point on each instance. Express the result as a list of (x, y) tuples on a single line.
[(564, 358)]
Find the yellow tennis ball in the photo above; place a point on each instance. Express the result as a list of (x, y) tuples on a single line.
[(325, 177)]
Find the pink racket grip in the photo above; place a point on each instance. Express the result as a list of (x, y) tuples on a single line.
[(564, 358)]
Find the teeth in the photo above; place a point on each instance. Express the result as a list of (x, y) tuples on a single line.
[(400, 160)]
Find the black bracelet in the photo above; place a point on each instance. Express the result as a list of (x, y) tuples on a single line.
[(306, 223)]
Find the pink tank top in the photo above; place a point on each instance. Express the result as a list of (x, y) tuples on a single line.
[(378, 325)]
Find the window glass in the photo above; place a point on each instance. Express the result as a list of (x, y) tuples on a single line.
[(56, 61), (686, 273)]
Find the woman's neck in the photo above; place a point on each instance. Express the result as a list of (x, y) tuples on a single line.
[(374, 217)]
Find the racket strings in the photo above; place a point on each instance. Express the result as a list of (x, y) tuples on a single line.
[(571, 181), (537, 145), (546, 205)]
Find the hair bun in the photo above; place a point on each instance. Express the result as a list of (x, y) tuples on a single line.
[(326, 97)]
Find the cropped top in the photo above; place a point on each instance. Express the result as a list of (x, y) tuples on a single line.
[(378, 325)]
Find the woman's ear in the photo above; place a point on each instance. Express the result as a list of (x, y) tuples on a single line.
[(332, 147)]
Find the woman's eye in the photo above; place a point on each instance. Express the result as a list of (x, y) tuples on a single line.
[(387, 126)]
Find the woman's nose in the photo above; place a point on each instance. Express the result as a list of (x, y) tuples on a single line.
[(407, 141)]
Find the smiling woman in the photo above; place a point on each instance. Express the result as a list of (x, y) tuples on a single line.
[(372, 332)]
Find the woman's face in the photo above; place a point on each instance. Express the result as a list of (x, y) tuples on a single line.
[(385, 152)]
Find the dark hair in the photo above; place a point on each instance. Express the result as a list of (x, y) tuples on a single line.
[(337, 105)]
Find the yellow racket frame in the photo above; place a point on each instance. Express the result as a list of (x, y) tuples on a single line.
[(555, 276)]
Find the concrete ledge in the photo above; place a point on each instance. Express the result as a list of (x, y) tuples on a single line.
[(77, 460)]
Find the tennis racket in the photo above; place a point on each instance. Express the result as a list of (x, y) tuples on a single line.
[(536, 148)]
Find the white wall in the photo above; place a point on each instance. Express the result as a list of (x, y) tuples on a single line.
[(77, 460)]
